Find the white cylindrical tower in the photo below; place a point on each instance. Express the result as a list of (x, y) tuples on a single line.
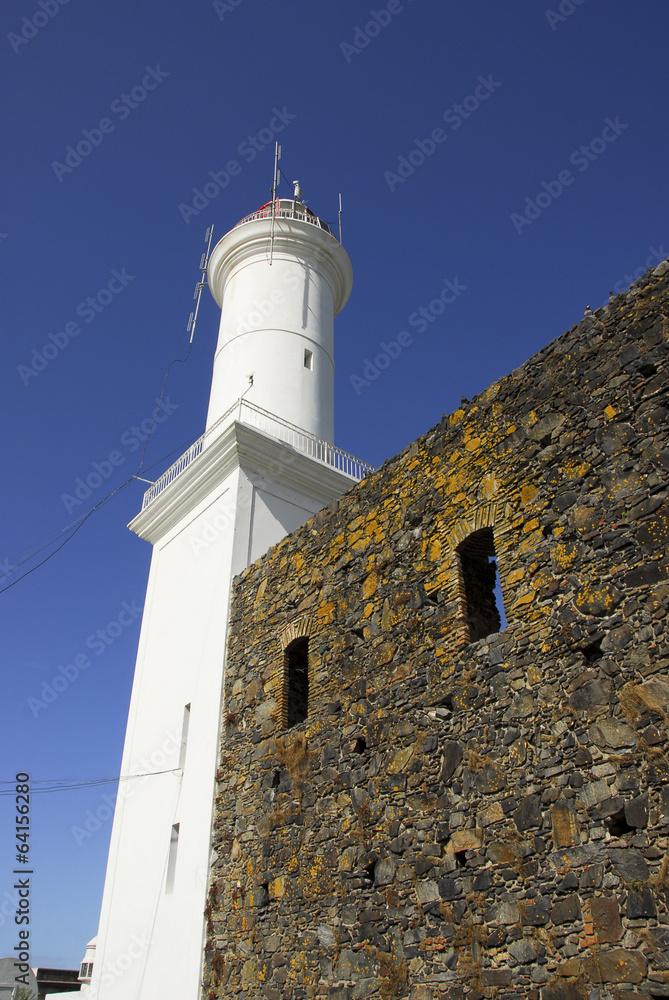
[(280, 281)]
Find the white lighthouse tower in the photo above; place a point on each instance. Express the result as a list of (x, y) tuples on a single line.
[(264, 465)]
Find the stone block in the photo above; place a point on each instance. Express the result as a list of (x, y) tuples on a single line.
[(384, 871), (537, 914), (465, 840), (591, 696), (640, 903), (606, 919), (452, 755), (528, 813), (497, 977), (619, 965), (523, 951), (629, 863), (566, 831), (566, 910), (593, 793), (613, 733), (636, 812), (427, 891), (508, 913), (492, 814), (561, 990)]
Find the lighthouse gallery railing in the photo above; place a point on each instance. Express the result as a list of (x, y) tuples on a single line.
[(248, 413)]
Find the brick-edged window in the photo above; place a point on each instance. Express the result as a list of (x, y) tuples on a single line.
[(478, 584), (296, 682)]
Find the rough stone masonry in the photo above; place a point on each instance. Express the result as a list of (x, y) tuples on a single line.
[(467, 810)]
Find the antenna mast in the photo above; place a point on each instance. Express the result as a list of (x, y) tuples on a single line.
[(275, 183), (197, 294), (340, 216)]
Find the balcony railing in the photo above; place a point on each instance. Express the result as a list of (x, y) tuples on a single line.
[(246, 412), (286, 208)]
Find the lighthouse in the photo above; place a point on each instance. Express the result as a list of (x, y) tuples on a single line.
[(265, 464)]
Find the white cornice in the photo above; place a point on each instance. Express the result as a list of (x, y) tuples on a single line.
[(238, 446)]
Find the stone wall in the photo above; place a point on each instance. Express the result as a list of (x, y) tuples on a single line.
[(461, 819)]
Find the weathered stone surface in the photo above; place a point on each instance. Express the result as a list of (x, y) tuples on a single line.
[(528, 813), (640, 903), (606, 918), (620, 965), (523, 951), (613, 733), (439, 826), (465, 840), (427, 892), (452, 755), (591, 696), (508, 913), (565, 825), (566, 910), (636, 812), (629, 863), (564, 990)]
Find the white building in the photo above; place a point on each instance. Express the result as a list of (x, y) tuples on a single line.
[(264, 465)]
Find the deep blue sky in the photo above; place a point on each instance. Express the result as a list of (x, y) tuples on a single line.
[(552, 84)]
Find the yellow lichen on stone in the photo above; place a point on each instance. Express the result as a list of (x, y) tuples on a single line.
[(564, 555), (488, 486), (370, 584), (399, 760), (528, 493), (325, 613)]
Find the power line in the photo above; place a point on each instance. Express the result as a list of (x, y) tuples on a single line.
[(69, 785), (113, 493), (51, 537)]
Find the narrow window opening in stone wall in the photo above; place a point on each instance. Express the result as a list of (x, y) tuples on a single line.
[(593, 651), (618, 825), (434, 596), (368, 872), (360, 745), (460, 859), (296, 667), (276, 778), (481, 592)]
